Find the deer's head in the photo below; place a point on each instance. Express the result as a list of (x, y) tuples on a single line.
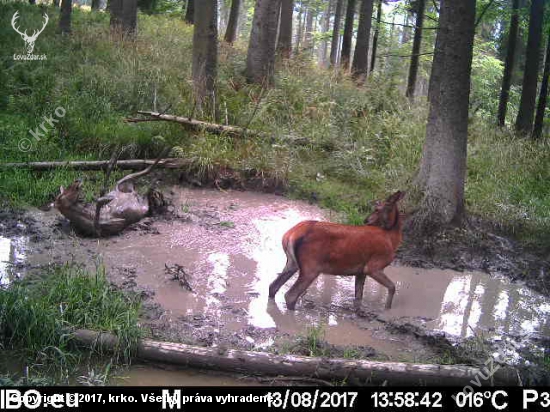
[(29, 40), (385, 213), (69, 196)]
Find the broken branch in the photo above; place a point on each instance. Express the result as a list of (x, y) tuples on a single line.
[(215, 128)]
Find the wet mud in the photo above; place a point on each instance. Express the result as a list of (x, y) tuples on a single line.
[(205, 266)]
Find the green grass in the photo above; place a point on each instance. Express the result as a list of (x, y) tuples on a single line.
[(38, 314), (365, 142), (10, 380), (227, 224)]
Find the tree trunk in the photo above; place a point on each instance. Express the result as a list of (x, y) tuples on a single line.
[(508, 64), (132, 164), (95, 5), (223, 15), (205, 52), (325, 29), (308, 40), (304, 25), (375, 38), (190, 12), (406, 34), (348, 33), (443, 166), (336, 33), (539, 118), (524, 121), (65, 19), (32, 1), (116, 23), (56, 3), (231, 32), (129, 17), (415, 58), (260, 60), (285, 28), (299, 32), (123, 18), (360, 66)]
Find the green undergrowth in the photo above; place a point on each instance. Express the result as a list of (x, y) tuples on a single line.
[(37, 315), (363, 142)]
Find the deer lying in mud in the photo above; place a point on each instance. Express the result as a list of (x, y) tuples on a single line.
[(113, 212), (313, 247)]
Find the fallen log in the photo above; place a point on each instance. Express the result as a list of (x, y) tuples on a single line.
[(262, 363), (134, 164), (215, 128)]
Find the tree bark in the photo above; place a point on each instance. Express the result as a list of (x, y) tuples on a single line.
[(115, 8), (293, 365), (285, 29), (360, 66), (406, 34), (336, 33), (299, 32), (325, 28), (56, 3), (260, 60), (415, 58), (65, 18), (539, 118), (376, 33), (205, 52), (308, 39), (132, 164), (443, 166), (524, 121), (348, 32), (129, 18), (123, 18), (95, 5), (231, 32), (190, 12), (508, 64)]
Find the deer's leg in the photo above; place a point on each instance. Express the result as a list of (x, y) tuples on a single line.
[(298, 289), (380, 277), (359, 284), (283, 277)]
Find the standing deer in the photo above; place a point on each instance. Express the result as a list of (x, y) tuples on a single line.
[(29, 40), (313, 247)]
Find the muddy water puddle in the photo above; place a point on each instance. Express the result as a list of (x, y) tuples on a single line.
[(229, 245), (148, 375)]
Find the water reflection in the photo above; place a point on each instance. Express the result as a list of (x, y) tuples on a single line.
[(12, 252), (475, 302)]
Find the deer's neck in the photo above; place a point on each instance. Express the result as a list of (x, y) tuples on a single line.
[(396, 232)]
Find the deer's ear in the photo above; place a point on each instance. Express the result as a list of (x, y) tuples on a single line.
[(61, 190)]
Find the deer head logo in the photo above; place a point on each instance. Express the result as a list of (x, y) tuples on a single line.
[(29, 40)]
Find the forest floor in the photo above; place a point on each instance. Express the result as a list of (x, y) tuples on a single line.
[(448, 309)]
